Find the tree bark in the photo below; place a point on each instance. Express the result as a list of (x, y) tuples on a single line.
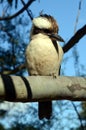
[(42, 88)]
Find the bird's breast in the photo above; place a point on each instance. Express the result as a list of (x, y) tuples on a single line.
[(42, 57)]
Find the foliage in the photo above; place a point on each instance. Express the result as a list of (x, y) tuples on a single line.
[(10, 2), (1, 127), (14, 41), (17, 127), (14, 36), (83, 115)]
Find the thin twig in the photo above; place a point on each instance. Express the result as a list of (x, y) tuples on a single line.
[(75, 52), (76, 62), (19, 12), (79, 117), (28, 12), (78, 14)]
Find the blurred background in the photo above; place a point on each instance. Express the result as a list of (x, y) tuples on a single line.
[(14, 37)]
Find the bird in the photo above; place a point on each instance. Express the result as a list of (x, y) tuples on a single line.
[(44, 54)]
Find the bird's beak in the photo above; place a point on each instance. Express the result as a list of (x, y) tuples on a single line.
[(56, 37)]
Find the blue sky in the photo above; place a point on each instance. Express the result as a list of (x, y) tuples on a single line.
[(65, 13)]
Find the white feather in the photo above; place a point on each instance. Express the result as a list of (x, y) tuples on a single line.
[(42, 57), (42, 23)]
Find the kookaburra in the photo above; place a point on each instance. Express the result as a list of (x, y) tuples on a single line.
[(44, 54)]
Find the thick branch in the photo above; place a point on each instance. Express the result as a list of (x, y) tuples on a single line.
[(78, 35), (42, 88), (19, 12)]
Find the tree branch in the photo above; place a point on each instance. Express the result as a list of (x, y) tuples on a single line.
[(19, 12), (28, 12), (42, 88), (78, 35)]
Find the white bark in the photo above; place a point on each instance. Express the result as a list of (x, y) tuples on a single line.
[(43, 88)]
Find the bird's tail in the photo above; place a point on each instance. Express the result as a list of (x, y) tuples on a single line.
[(45, 109)]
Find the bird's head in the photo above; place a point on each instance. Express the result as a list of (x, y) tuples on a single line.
[(47, 25)]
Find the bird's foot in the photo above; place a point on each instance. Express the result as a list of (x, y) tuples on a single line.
[(54, 75)]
